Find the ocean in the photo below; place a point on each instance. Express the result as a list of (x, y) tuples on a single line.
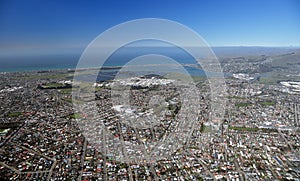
[(122, 56), (19, 63)]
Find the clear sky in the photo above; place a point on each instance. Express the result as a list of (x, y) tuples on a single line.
[(55, 25)]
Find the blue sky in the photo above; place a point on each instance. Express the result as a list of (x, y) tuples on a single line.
[(41, 26)]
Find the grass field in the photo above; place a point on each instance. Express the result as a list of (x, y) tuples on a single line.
[(268, 103), (243, 128), (14, 114), (243, 104)]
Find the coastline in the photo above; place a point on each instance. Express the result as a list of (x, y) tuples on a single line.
[(44, 70)]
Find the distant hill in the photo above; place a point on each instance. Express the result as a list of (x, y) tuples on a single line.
[(252, 51)]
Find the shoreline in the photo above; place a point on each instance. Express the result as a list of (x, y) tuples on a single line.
[(192, 69), (59, 69), (44, 70)]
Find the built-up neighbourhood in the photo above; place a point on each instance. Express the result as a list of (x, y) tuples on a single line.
[(41, 139)]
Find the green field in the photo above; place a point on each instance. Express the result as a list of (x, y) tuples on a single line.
[(268, 103), (243, 104), (75, 116), (14, 114), (205, 129), (65, 91), (53, 85), (243, 128)]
